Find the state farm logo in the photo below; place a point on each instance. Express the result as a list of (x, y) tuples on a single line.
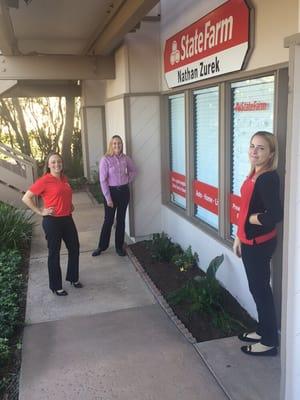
[(175, 53)]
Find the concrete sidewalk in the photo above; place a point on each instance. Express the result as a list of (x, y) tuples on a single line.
[(111, 340)]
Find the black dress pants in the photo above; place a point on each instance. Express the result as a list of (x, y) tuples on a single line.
[(120, 198), (256, 259), (57, 229)]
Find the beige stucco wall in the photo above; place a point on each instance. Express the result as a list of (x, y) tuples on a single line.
[(120, 84)]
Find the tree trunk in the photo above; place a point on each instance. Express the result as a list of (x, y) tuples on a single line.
[(67, 135)]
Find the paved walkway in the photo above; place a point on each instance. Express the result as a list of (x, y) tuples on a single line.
[(112, 341)]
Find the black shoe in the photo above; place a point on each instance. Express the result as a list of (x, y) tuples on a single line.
[(77, 285), (244, 338), (121, 252), (270, 352), (96, 253), (60, 292)]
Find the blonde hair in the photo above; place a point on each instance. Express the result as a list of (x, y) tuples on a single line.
[(46, 166), (273, 146), (109, 151)]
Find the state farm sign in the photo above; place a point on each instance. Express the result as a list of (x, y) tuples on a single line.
[(214, 45)]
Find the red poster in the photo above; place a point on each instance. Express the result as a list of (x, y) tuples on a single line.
[(234, 208), (177, 183), (206, 196)]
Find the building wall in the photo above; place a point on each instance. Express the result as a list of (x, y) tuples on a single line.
[(268, 50)]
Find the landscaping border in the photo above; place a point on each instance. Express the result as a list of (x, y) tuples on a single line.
[(170, 313), (160, 298)]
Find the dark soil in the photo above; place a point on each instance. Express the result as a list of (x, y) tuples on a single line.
[(167, 278)]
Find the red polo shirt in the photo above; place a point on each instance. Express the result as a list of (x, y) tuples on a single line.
[(55, 192)]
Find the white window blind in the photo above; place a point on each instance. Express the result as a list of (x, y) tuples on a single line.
[(177, 148), (206, 131)]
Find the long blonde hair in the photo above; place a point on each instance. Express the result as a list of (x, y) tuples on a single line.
[(109, 151), (273, 146)]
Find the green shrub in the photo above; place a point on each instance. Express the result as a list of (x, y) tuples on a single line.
[(204, 294), (94, 188), (4, 351), (186, 260), (162, 247), (15, 227), (11, 284), (77, 183)]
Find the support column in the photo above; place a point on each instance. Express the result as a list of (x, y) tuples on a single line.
[(290, 343), (93, 127)]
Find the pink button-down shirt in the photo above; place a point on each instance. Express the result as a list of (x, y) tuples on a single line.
[(116, 170)]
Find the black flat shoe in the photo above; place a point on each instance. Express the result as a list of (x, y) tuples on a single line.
[(77, 285), (270, 352), (60, 293), (96, 253), (121, 252), (244, 338)]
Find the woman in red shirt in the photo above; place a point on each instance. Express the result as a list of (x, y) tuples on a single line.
[(255, 242), (58, 223)]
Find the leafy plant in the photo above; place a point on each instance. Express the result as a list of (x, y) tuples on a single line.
[(203, 294), (186, 260), (10, 287), (162, 247), (15, 227), (4, 351)]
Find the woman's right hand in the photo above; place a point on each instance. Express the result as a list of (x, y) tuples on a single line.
[(47, 211), (110, 204), (237, 247)]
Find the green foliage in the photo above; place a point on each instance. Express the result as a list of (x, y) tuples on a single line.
[(77, 183), (162, 247), (4, 351), (185, 260), (95, 189), (203, 294), (15, 227), (11, 285)]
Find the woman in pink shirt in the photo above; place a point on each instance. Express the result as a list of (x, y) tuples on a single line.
[(116, 171)]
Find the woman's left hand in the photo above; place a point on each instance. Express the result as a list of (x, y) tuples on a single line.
[(254, 220)]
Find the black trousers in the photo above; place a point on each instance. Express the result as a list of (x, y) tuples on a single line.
[(120, 198), (256, 260), (57, 229)]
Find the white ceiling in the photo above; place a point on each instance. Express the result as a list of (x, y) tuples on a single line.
[(67, 26)]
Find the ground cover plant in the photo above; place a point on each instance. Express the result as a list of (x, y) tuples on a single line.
[(15, 234), (199, 301)]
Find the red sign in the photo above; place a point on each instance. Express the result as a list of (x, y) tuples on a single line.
[(234, 208), (177, 183), (215, 44), (251, 106), (206, 196)]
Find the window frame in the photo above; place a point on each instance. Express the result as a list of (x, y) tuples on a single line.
[(222, 234)]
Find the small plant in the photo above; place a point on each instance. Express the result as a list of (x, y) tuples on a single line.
[(4, 351), (203, 294), (78, 183), (162, 247), (15, 227), (186, 260)]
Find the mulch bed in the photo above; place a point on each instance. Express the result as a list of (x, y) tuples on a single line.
[(167, 278)]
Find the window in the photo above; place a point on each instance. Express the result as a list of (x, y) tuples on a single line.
[(177, 150), (206, 134), (226, 114), (252, 110)]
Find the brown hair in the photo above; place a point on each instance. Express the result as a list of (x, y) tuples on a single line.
[(273, 146), (109, 151), (46, 166)]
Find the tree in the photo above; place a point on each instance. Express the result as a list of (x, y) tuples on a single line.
[(37, 126)]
